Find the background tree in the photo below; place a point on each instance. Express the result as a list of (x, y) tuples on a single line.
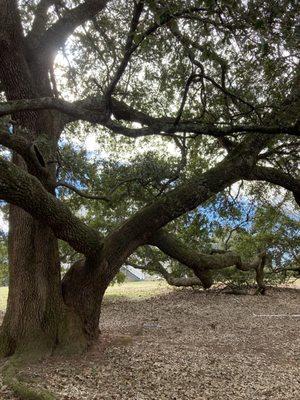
[(218, 80), (4, 278)]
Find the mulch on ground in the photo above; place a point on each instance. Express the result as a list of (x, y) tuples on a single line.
[(186, 345)]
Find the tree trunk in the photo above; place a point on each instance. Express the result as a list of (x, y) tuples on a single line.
[(36, 319), (259, 276), (83, 288), (34, 301)]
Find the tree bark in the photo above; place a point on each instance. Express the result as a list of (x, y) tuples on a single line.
[(36, 318), (83, 288), (33, 302)]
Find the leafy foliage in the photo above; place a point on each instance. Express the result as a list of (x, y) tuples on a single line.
[(246, 67)]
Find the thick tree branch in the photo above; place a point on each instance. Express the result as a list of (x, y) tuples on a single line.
[(25, 191), (276, 177), (57, 34), (94, 111), (171, 280), (40, 20), (201, 264), (196, 129), (30, 154), (120, 110)]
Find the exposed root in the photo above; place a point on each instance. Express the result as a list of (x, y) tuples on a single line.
[(70, 339), (22, 385)]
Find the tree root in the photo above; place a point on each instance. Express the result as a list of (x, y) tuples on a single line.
[(23, 387)]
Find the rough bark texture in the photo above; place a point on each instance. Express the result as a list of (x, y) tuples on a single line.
[(83, 288), (34, 302), (34, 316)]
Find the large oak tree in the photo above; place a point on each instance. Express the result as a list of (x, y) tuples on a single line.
[(214, 76)]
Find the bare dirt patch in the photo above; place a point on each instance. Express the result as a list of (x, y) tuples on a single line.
[(186, 345)]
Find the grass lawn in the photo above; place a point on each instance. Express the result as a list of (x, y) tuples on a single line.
[(137, 290), (131, 290), (3, 297)]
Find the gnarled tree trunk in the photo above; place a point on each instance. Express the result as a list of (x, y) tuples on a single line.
[(36, 319), (34, 301), (83, 288)]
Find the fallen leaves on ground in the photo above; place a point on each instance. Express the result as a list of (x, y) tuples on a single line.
[(187, 344)]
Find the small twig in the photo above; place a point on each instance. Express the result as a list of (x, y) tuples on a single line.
[(82, 193)]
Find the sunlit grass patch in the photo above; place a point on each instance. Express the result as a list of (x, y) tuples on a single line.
[(137, 290), (130, 290), (3, 297)]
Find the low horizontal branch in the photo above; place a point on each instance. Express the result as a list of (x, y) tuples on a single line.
[(171, 280), (200, 263), (94, 111)]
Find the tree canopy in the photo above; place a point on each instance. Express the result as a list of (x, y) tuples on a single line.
[(182, 82)]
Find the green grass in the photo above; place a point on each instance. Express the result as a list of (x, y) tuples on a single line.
[(137, 290), (130, 290), (3, 297)]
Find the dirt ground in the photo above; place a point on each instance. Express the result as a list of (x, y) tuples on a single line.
[(186, 345)]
